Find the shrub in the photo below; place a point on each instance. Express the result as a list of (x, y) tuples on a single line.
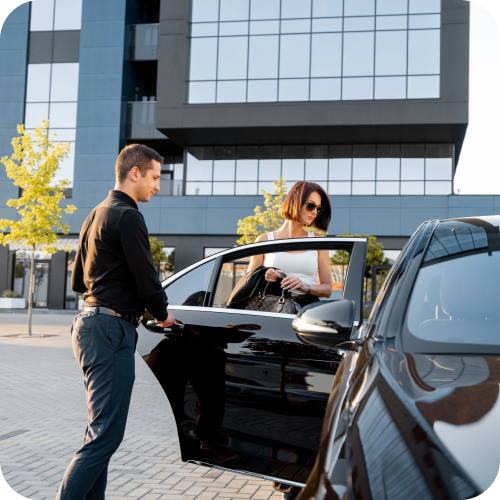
[(9, 294)]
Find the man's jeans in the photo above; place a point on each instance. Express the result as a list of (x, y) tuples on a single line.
[(104, 348)]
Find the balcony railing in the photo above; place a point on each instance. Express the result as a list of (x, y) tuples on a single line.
[(141, 121), (144, 42)]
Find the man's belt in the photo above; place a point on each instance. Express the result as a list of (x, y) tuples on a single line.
[(109, 312)]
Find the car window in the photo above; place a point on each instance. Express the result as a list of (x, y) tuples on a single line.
[(230, 273), (233, 271), (456, 296), (190, 289)]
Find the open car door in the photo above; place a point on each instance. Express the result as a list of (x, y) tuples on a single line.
[(246, 392)]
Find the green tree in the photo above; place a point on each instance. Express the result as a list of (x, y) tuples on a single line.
[(169, 263), (374, 255), (32, 167), (263, 221), (157, 251)]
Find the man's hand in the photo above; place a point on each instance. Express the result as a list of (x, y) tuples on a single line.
[(169, 321)]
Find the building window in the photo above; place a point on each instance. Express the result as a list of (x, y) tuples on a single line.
[(52, 87), (172, 177), (314, 50), (384, 176), (212, 250), (52, 93), (73, 299), (56, 15), (41, 275)]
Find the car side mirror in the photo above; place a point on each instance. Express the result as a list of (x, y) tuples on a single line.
[(325, 324)]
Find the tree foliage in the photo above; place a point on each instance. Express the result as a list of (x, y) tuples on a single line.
[(157, 251), (263, 221), (375, 253), (33, 167)]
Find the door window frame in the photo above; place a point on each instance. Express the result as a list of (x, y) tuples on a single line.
[(356, 247)]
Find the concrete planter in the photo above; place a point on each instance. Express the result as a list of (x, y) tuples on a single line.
[(12, 303)]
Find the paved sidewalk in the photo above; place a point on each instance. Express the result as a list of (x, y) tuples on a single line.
[(43, 418)]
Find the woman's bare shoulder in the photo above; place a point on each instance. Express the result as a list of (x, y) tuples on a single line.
[(261, 237)]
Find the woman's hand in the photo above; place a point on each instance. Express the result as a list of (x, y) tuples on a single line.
[(272, 275), (292, 283)]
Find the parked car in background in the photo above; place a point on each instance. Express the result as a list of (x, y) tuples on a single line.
[(415, 406)]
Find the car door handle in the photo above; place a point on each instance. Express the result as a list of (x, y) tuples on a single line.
[(156, 327)]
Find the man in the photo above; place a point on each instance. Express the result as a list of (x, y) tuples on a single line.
[(115, 272)]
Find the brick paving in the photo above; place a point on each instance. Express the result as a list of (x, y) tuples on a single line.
[(43, 418)]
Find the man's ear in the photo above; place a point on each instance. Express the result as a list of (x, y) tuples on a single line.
[(134, 174)]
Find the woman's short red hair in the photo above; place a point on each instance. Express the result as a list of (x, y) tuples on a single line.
[(298, 195)]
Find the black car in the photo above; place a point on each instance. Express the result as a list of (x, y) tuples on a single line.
[(402, 406), (415, 407)]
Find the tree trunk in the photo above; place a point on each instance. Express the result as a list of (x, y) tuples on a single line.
[(32, 289)]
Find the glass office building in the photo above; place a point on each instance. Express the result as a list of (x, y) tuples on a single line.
[(314, 50), (368, 98)]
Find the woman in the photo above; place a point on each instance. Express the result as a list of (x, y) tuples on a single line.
[(308, 273)]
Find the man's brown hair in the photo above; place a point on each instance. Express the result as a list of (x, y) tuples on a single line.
[(296, 198), (135, 155)]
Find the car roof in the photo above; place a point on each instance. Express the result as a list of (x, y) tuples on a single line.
[(494, 220)]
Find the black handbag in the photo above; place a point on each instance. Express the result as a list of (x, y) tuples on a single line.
[(265, 302)]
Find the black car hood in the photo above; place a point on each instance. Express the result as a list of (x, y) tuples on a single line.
[(458, 396)]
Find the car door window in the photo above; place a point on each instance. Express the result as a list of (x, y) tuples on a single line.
[(191, 288), (229, 275), (231, 272)]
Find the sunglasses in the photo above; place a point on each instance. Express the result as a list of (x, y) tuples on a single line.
[(310, 206)]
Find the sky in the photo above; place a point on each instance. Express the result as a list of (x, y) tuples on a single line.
[(478, 170)]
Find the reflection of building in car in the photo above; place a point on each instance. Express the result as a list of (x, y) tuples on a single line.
[(457, 294), (195, 360)]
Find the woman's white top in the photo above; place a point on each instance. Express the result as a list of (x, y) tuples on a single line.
[(303, 265)]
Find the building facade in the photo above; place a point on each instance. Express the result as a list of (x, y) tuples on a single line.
[(368, 98)]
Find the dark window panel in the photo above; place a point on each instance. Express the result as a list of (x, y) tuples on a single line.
[(439, 151), (40, 47), (341, 151), (66, 47), (248, 152), (202, 153), (270, 152), (389, 151), (364, 151), (225, 153), (413, 151), (318, 152), (292, 152)]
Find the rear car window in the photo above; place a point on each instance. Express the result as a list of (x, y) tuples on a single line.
[(456, 296)]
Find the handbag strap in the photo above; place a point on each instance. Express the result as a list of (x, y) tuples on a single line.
[(283, 291)]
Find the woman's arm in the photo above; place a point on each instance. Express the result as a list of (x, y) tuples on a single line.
[(324, 288), (257, 260)]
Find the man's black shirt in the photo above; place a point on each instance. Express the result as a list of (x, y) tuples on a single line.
[(113, 265)]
